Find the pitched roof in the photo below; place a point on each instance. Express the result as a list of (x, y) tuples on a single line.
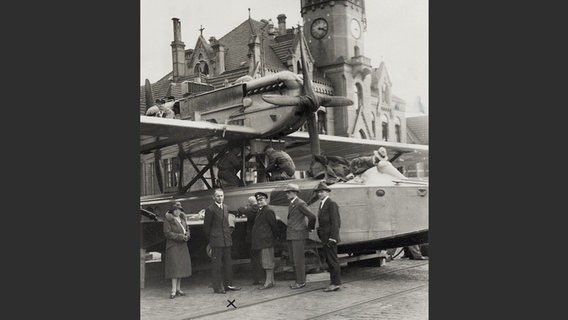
[(417, 129)]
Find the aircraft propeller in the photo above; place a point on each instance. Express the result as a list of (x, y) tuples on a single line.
[(149, 95), (310, 101)]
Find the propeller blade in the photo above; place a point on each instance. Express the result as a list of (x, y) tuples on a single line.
[(149, 95), (281, 100), (331, 102), (307, 76)]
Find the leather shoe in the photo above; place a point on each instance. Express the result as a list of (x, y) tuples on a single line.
[(232, 288), (331, 288), (180, 293), (270, 285), (297, 285), (221, 291), (172, 295)]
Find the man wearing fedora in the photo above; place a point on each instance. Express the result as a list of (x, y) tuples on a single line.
[(328, 232), (217, 230), (263, 237), (297, 232)]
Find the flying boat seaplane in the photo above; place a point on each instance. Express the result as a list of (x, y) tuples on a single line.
[(380, 208)]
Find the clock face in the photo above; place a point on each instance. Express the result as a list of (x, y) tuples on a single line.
[(319, 28), (355, 29)]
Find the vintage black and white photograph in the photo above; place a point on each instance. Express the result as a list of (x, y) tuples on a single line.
[(284, 159)]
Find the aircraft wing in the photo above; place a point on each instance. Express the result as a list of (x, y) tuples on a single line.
[(158, 132), (298, 146)]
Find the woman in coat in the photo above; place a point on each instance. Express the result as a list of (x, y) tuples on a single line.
[(178, 261)]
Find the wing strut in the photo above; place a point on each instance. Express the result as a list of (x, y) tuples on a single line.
[(157, 160), (181, 158), (200, 174)]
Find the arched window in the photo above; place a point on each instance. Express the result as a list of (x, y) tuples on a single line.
[(205, 69), (358, 103), (322, 122), (374, 124), (357, 53), (385, 126), (196, 69), (362, 134), (397, 129)]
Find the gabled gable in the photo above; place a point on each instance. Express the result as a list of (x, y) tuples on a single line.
[(203, 48), (378, 76)]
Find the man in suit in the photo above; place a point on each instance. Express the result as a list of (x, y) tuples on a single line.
[(328, 232), (250, 211), (216, 228), (297, 232)]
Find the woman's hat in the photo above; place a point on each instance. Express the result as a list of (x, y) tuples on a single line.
[(177, 204), (292, 187), (160, 101), (322, 186), (260, 194), (381, 153)]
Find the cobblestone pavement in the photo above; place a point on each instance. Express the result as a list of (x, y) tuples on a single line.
[(398, 290)]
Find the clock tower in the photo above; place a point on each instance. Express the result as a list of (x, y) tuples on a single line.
[(334, 29), (335, 34)]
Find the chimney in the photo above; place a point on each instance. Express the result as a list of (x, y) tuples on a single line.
[(219, 50), (281, 24), (178, 52)]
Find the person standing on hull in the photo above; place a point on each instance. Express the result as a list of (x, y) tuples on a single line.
[(263, 238), (297, 232), (328, 232), (217, 231), (178, 261)]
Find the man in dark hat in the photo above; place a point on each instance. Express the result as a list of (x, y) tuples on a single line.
[(328, 232), (160, 110), (263, 237), (297, 232)]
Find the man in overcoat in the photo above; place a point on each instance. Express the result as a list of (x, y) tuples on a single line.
[(264, 233), (297, 232), (328, 232), (216, 228)]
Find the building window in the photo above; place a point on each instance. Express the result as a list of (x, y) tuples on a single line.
[(171, 166), (322, 121), (357, 53), (385, 126), (298, 68), (374, 124), (397, 129), (358, 103)]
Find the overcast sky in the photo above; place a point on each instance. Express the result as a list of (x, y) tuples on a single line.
[(397, 33)]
